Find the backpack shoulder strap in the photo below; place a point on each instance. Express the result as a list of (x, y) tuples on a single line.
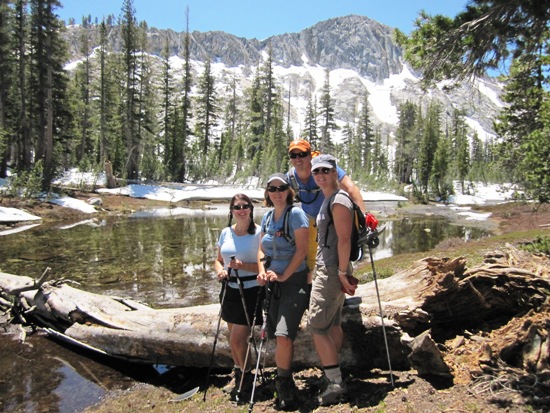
[(268, 219), (329, 212), (286, 226), (291, 177), (285, 232)]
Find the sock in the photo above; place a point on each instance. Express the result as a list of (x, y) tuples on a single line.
[(284, 372), (334, 375)]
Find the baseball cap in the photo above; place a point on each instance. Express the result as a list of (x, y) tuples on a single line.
[(323, 161), (277, 177), (299, 144)]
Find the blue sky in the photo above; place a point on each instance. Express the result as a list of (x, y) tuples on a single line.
[(258, 18)]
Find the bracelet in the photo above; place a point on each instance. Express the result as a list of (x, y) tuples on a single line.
[(342, 272)]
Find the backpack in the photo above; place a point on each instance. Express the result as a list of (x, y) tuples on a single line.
[(285, 233), (361, 227), (294, 185)]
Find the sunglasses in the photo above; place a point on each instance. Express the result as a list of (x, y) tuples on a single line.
[(323, 171), (239, 207), (281, 188), (298, 155)]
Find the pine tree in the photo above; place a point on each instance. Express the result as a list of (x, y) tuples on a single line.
[(537, 158), (186, 114), (148, 109), (379, 154), (275, 151), (110, 89), (428, 146), (406, 149), (131, 104), (327, 117), (352, 151), (49, 82), (256, 124), (85, 123), (23, 145), (229, 136), (207, 110), (461, 148), (477, 170), (6, 78), (440, 169), (289, 132), (269, 90), (310, 123), (365, 136), (525, 94), (168, 115)]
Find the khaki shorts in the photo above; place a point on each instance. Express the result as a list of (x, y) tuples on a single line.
[(327, 300)]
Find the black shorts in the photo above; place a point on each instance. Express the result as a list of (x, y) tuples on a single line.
[(289, 301), (232, 306)]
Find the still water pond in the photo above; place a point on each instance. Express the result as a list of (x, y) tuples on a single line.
[(162, 262), (168, 262)]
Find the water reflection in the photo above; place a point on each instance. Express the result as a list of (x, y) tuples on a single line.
[(42, 376), (153, 260), (418, 234), (168, 262)]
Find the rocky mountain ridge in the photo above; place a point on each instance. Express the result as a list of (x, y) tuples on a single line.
[(359, 52)]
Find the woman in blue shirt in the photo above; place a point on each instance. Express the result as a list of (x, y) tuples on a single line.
[(237, 255), (285, 240)]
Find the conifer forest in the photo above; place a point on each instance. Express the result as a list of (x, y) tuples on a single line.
[(130, 109)]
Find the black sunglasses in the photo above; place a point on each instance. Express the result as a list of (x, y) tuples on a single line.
[(281, 188), (298, 155), (324, 171), (239, 207)]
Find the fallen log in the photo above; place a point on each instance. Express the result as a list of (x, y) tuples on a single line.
[(435, 297)]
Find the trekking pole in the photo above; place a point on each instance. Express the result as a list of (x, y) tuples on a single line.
[(250, 342), (224, 290), (373, 242), (250, 326), (241, 292), (263, 336)]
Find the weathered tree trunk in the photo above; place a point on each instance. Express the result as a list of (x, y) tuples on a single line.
[(433, 300), (111, 180)]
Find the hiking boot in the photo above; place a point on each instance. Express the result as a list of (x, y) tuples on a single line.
[(286, 392), (321, 383), (246, 387), (232, 387), (333, 394), (248, 381)]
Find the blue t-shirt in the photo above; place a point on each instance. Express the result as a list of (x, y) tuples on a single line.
[(309, 193), (275, 245), (244, 248)]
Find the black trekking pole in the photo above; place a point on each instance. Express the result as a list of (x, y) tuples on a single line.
[(250, 342), (241, 292), (224, 290), (250, 326), (263, 334), (372, 242)]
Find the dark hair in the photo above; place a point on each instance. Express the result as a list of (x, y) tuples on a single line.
[(289, 197), (242, 197)]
